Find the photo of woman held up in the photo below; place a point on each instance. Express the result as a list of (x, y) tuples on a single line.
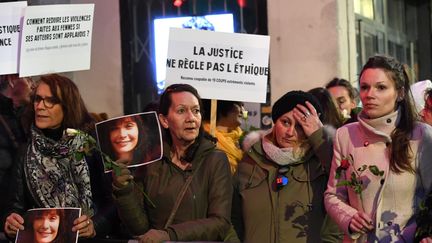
[(49, 225), (134, 138)]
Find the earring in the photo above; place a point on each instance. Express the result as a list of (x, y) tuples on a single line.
[(399, 99)]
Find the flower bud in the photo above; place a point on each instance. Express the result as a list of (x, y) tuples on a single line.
[(345, 114), (244, 114), (71, 132)]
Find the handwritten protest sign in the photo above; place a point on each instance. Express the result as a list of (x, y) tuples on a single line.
[(11, 14), (224, 66), (56, 38)]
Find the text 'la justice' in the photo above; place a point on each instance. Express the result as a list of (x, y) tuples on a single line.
[(219, 52)]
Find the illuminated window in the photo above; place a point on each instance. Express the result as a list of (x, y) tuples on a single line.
[(364, 8)]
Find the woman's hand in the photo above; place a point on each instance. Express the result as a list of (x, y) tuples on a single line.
[(360, 223), (426, 240), (308, 118), (13, 222), (124, 177), (154, 236), (84, 226)]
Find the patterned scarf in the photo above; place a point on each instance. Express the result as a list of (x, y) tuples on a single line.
[(55, 178)]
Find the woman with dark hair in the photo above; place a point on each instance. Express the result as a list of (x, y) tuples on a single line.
[(381, 164), (44, 226), (331, 115), (47, 175), (346, 97), (190, 186), (49, 226), (124, 138)]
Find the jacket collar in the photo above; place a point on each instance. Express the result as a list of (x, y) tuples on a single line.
[(204, 147), (381, 127)]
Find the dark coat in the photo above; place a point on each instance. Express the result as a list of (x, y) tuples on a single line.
[(204, 212), (8, 151)]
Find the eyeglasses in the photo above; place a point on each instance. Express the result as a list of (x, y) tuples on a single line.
[(49, 102)]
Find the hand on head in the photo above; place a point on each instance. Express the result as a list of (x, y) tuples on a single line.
[(307, 117), (426, 240), (84, 226), (13, 222)]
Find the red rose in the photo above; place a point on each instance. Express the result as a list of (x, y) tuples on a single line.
[(345, 164)]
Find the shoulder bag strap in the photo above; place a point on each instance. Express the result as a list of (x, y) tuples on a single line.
[(9, 132), (181, 195)]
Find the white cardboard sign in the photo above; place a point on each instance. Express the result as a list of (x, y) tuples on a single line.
[(223, 66), (56, 38), (11, 14)]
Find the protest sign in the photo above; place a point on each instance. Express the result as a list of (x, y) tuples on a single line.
[(224, 66), (11, 14), (49, 225), (134, 138), (56, 38)]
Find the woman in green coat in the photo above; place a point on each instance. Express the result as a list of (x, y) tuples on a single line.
[(281, 180), (203, 213)]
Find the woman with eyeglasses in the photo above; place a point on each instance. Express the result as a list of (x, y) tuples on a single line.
[(280, 182), (47, 175)]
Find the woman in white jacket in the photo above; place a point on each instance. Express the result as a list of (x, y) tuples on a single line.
[(381, 165)]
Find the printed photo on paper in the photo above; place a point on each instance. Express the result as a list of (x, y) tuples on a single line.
[(134, 138), (49, 225)]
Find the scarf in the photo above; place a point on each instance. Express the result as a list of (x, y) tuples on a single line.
[(228, 141), (55, 178), (284, 156)]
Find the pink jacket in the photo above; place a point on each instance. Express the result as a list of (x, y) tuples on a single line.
[(390, 200)]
